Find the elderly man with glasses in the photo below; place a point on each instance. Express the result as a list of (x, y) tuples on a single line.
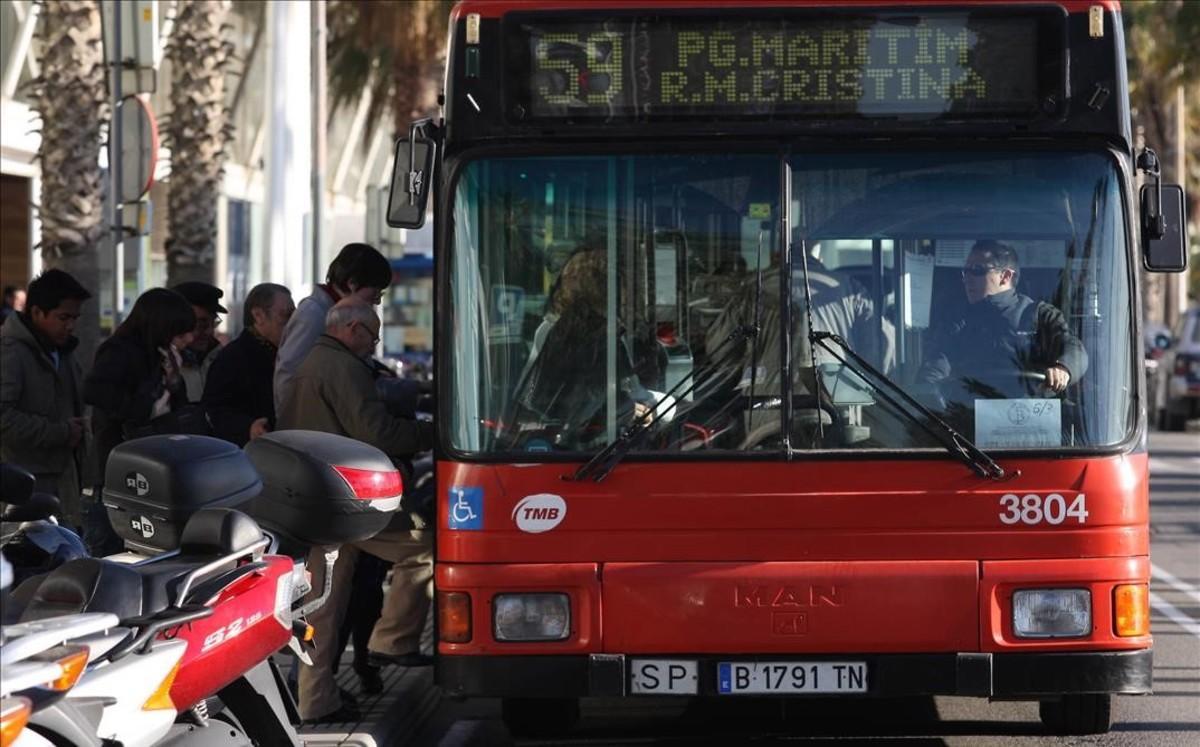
[(334, 391), (1005, 342)]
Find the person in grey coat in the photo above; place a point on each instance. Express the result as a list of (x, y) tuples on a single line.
[(42, 422), (359, 271)]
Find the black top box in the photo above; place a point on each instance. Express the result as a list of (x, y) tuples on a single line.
[(153, 485), (322, 489)]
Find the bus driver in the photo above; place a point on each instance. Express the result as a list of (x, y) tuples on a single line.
[(1004, 336)]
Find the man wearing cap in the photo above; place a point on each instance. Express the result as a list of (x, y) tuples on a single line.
[(199, 356)]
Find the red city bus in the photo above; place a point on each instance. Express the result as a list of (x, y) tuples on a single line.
[(789, 350)]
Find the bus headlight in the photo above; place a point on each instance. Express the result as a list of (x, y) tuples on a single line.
[(531, 617), (1052, 613)]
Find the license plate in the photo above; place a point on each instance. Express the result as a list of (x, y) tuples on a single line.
[(663, 677), (738, 677)]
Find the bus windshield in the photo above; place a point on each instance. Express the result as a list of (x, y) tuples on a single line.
[(587, 292)]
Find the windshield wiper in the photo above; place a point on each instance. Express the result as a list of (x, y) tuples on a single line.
[(955, 442), (598, 467), (603, 462)]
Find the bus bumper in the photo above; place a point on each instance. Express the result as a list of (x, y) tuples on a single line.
[(1003, 676)]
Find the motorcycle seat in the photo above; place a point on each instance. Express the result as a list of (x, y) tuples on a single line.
[(85, 585), (98, 585), (209, 534), (218, 531), (161, 581)]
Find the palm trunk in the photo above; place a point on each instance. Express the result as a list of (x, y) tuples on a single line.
[(71, 97), (197, 132)]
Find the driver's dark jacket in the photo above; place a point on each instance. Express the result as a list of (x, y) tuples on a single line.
[(998, 338)]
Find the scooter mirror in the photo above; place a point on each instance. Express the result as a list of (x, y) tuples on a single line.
[(39, 506), (16, 484)]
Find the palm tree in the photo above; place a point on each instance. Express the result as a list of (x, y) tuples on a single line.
[(71, 97), (197, 131), (394, 49), (1163, 57)]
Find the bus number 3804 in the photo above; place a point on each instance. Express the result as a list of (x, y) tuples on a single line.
[(1034, 509)]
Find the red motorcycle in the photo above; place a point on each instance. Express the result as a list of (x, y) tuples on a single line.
[(220, 536)]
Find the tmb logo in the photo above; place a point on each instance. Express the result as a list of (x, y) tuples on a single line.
[(137, 482), (539, 513)]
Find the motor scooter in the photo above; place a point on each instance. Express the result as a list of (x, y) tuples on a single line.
[(226, 578), (54, 686)]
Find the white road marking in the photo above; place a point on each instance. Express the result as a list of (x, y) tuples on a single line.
[(1181, 586), (1177, 465), (1174, 614)]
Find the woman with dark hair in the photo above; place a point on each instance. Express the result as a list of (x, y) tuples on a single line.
[(134, 387), (565, 382)]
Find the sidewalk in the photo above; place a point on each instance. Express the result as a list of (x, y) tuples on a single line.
[(394, 716)]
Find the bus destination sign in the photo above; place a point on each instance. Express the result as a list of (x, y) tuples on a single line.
[(928, 65)]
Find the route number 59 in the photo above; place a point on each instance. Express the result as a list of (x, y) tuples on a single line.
[(1034, 509)]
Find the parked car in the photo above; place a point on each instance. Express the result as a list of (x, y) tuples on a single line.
[(1156, 339), (1180, 372)]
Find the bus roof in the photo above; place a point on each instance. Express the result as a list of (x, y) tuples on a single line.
[(497, 8)]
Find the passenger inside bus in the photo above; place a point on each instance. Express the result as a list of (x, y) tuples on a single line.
[(562, 388), (840, 305), (1005, 345)]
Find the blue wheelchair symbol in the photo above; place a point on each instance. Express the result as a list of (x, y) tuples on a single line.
[(466, 508)]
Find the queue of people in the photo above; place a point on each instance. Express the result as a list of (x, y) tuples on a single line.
[(164, 370)]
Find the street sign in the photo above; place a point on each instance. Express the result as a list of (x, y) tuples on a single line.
[(139, 147), (140, 51), (136, 218)]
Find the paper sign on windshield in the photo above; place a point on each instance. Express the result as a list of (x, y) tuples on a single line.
[(1018, 423)]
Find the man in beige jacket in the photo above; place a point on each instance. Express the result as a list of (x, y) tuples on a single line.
[(334, 391)]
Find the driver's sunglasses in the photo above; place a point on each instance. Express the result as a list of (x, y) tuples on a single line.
[(205, 324), (978, 271)]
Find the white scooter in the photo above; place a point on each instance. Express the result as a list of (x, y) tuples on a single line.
[(55, 689)]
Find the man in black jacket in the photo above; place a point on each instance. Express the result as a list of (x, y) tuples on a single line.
[(42, 424), (1005, 339), (239, 391)]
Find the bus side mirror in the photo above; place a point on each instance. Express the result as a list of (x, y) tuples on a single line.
[(1166, 252), (412, 172)]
